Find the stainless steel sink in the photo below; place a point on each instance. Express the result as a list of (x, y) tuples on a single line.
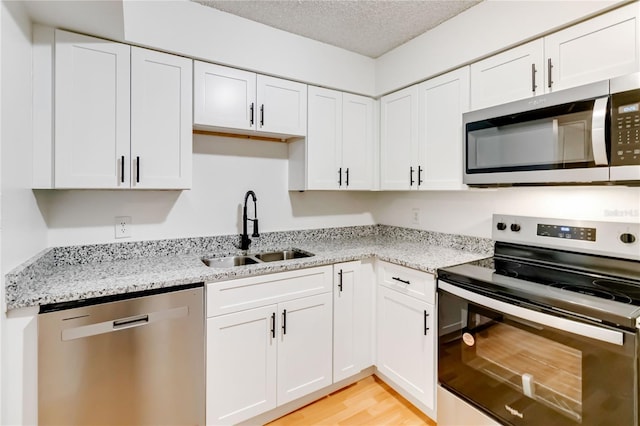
[(229, 261), (274, 256), (242, 260)]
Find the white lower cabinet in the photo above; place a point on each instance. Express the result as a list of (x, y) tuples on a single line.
[(266, 356), (241, 365), (304, 347), (406, 341), (352, 318)]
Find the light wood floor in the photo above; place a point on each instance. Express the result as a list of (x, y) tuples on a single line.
[(367, 402)]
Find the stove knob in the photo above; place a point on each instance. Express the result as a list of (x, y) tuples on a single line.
[(628, 238), (501, 226), (515, 227)]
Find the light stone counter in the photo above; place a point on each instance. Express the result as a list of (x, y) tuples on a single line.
[(65, 274)]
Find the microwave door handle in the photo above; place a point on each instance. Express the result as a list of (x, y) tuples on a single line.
[(598, 135)]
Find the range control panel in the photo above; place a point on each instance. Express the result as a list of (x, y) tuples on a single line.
[(625, 128), (617, 239), (564, 231)]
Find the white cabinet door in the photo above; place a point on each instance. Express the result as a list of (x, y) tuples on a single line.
[(347, 358), (161, 113), (398, 138), (357, 142), (92, 112), (241, 365), (282, 106), (324, 139), (600, 48), (223, 97), (339, 143), (515, 74), (406, 343), (442, 101), (304, 349)]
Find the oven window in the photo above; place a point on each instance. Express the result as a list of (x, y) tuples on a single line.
[(546, 371), (524, 373)]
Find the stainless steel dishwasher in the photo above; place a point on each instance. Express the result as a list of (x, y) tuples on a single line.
[(130, 361)]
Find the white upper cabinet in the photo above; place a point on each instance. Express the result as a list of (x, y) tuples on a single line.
[(223, 97), (442, 101), (517, 73), (324, 139), (92, 116), (120, 115), (603, 47), (282, 106), (161, 111), (237, 101), (357, 142), (421, 134), (339, 144), (398, 139)]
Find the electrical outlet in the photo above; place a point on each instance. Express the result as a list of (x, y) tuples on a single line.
[(415, 216), (123, 226)]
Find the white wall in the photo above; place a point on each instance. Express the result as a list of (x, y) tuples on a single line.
[(479, 31), (23, 229), (198, 31), (470, 212), (223, 170), (191, 29)]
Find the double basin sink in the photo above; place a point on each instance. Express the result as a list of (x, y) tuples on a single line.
[(251, 259)]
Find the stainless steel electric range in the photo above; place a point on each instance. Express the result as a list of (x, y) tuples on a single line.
[(546, 331)]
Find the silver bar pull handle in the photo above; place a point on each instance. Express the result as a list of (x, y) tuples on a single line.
[(598, 134), (131, 322)]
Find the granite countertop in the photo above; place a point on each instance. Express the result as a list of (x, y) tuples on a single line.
[(66, 274)]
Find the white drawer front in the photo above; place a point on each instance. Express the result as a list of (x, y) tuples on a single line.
[(418, 284), (252, 292)]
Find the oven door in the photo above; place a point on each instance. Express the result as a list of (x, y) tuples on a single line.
[(526, 367), (560, 137)]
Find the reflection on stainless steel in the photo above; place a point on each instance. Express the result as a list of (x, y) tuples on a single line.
[(130, 362), (546, 331)]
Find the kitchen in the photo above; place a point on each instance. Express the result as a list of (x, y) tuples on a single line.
[(225, 168)]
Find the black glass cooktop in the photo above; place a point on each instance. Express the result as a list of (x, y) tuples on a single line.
[(590, 284), (596, 287)]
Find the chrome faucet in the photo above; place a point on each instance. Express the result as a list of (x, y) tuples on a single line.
[(244, 238)]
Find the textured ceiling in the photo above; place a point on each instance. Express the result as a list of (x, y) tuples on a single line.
[(368, 27)]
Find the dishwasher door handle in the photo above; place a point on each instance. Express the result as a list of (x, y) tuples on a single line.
[(123, 323), (131, 322)]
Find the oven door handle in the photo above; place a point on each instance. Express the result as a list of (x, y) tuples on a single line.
[(598, 134), (578, 328)]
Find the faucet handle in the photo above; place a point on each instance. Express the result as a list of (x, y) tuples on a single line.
[(255, 228)]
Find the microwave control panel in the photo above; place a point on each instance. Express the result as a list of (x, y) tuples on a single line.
[(625, 128)]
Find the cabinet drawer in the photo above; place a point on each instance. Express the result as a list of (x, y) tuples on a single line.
[(420, 285), (246, 293)]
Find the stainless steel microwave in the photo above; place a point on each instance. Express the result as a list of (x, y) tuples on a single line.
[(587, 134)]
